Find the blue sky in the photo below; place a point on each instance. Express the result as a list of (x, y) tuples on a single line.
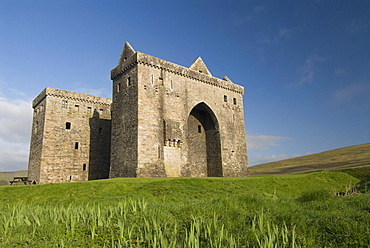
[(305, 65)]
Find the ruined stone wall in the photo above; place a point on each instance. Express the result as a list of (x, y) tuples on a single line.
[(74, 130)]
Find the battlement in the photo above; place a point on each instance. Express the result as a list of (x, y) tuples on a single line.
[(202, 76), (70, 95)]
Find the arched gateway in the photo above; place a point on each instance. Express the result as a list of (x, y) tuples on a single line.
[(204, 145)]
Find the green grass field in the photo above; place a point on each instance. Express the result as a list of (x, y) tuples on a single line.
[(277, 207), (302, 210)]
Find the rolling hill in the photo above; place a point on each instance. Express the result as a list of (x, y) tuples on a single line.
[(337, 159), (5, 177)]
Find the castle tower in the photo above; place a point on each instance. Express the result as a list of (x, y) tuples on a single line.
[(169, 120), (70, 138)]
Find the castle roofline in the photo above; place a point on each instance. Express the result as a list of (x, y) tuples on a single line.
[(70, 95), (203, 75)]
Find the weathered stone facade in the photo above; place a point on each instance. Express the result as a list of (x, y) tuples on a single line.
[(70, 137), (167, 120)]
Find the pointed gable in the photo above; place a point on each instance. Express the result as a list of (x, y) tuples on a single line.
[(227, 79), (126, 52), (199, 66)]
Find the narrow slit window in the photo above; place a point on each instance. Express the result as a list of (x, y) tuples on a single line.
[(100, 130), (36, 127), (84, 167), (234, 101), (128, 81), (119, 87), (76, 145), (225, 98), (68, 125), (199, 129)]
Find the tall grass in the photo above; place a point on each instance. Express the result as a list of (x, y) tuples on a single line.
[(137, 223), (283, 211), (131, 223)]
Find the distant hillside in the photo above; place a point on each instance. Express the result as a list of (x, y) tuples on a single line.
[(5, 177), (337, 159)]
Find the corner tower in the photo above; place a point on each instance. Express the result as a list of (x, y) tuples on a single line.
[(169, 120), (70, 138)]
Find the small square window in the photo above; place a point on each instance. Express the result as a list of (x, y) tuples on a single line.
[(68, 125), (64, 104)]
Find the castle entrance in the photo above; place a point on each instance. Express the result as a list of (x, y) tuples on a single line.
[(204, 145)]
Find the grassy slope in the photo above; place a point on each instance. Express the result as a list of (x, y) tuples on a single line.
[(343, 158), (67, 214), (7, 176), (109, 191)]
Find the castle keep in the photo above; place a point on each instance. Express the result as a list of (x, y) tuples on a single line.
[(163, 120)]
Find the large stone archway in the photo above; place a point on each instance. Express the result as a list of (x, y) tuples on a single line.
[(204, 144)]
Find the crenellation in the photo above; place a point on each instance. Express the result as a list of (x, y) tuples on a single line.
[(157, 63)]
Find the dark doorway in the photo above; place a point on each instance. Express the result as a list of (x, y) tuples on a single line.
[(204, 142)]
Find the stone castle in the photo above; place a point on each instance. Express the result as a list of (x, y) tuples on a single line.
[(164, 120)]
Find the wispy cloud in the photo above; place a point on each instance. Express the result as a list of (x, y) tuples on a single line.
[(351, 91), (357, 25), (260, 142), (307, 71), (283, 33), (239, 20), (339, 72), (261, 159), (259, 8), (15, 122)]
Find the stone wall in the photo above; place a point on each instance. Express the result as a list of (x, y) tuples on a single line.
[(70, 137), (188, 122), (167, 120)]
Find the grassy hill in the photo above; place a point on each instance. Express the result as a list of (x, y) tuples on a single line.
[(174, 189), (5, 177), (316, 209), (300, 210), (338, 159)]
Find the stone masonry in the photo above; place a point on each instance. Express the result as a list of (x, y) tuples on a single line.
[(164, 120), (70, 137)]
